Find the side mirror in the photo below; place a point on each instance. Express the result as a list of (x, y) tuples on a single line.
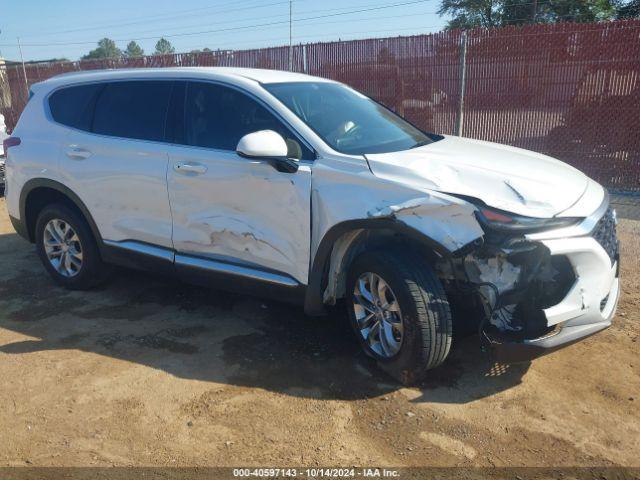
[(267, 145)]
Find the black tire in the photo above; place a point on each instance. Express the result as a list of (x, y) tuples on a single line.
[(93, 271), (426, 314)]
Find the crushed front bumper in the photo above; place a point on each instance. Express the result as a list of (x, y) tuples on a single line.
[(565, 334), (591, 302)]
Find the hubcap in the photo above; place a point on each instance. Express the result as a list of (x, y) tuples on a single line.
[(63, 248), (378, 315)]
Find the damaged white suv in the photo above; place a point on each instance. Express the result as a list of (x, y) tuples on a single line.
[(302, 188)]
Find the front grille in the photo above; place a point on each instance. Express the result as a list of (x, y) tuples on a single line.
[(605, 234), (1, 172)]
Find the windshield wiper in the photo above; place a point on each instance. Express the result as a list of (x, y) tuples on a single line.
[(421, 144)]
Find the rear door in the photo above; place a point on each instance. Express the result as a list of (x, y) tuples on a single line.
[(115, 159), (228, 209)]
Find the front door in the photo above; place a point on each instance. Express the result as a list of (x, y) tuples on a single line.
[(230, 209)]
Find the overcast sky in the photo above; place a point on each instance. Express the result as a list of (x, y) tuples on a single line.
[(70, 28)]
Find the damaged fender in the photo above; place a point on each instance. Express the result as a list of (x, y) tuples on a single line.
[(348, 199)]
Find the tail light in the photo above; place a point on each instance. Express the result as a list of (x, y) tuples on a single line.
[(10, 142)]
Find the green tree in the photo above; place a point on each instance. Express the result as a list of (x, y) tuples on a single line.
[(106, 49), (163, 47), (629, 9), (133, 50), (204, 50), (500, 13)]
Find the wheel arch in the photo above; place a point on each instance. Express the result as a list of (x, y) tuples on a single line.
[(344, 241), (39, 192)]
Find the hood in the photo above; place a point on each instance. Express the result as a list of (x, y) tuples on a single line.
[(507, 178)]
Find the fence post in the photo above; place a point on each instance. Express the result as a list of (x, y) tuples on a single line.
[(305, 64), (463, 83), (24, 70), (290, 35)]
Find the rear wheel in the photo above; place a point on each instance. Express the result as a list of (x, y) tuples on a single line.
[(399, 312), (67, 248)]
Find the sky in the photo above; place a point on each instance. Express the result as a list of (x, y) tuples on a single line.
[(70, 28)]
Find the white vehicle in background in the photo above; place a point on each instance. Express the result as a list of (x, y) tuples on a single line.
[(3, 136), (301, 188)]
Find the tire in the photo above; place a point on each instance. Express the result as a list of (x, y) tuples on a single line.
[(91, 271), (423, 310)]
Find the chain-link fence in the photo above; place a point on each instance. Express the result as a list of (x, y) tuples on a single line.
[(569, 90)]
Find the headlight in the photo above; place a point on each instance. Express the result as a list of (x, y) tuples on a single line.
[(494, 219)]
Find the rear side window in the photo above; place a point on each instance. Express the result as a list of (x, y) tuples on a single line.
[(134, 109), (73, 106)]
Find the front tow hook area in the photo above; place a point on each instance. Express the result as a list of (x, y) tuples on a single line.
[(508, 350)]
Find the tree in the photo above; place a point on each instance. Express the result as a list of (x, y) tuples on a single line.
[(470, 13), (133, 50), (163, 47), (106, 49), (629, 9), (500, 13), (204, 50)]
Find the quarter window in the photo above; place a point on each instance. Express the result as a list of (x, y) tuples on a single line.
[(218, 117), (73, 106), (135, 109)]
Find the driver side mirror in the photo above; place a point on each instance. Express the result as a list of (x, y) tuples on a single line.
[(267, 145)]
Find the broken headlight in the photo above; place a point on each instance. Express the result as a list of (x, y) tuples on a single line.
[(500, 220)]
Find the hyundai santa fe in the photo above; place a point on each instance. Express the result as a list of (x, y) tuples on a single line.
[(303, 189)]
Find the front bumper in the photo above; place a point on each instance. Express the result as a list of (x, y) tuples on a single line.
[(587, 308), (571, 331)]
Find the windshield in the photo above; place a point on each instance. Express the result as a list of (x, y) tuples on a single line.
[(347, 120)]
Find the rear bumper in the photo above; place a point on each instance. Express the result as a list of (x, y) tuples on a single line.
[(588, 307)]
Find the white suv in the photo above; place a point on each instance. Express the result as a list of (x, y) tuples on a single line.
[(301, 188), (3, 135)]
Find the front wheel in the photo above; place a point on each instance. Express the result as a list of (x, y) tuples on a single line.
[(399, 312)]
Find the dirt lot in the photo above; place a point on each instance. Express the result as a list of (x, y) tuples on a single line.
[(147, 371)]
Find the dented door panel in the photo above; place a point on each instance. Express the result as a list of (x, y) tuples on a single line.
[(240, 210)]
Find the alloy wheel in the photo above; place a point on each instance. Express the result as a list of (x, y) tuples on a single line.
[(378, 315), (62, 247)]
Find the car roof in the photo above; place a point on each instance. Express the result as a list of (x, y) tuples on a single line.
[(231, 74)]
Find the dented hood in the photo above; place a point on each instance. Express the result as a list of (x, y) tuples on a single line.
[(507, 178)]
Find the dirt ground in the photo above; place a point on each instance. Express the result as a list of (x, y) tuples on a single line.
[(150, 372)]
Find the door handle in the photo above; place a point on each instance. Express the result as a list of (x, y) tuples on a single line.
[(186, 168), (76, 153)]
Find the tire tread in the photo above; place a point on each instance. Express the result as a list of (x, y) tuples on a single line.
[(434, 318)]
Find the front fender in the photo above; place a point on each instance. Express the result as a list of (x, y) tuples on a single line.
[(346, 196)]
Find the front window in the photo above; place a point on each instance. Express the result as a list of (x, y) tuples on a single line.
[(346, 120), (218, 117)]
